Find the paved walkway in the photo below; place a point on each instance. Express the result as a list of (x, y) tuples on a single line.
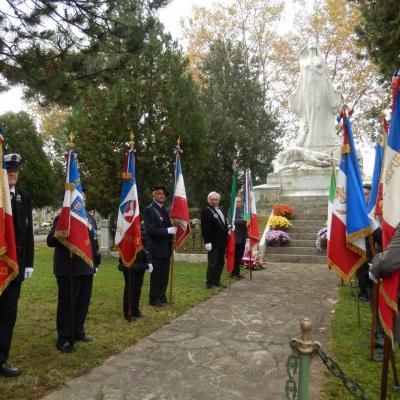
[(233, 346)]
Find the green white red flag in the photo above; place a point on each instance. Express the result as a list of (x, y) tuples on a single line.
[(250, 211), (230, 249)]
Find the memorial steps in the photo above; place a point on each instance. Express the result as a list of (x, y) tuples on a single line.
[(311, 213)]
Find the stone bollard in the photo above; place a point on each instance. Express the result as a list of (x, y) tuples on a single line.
[(105, 239)]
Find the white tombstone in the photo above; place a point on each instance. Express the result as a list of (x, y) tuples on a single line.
[(105, 237)]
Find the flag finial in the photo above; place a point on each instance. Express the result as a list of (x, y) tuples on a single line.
[(71, 140), (132, 141), (178, 142)]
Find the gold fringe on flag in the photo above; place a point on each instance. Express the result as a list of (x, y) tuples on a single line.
[(386, 330), (346, 277), (345, 149), (392, 304), (76, 251)]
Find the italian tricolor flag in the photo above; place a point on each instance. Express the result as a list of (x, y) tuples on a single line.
[(250, 211)]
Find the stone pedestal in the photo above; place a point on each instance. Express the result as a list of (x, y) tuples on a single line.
[(105, 238)]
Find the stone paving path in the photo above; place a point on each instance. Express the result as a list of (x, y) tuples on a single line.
[(233, 346)]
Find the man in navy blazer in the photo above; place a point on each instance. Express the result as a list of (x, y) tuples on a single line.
[(214, 229), (159, 235)]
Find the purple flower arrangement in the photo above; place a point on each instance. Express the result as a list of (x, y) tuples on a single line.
[(322, 238), (277, 238)]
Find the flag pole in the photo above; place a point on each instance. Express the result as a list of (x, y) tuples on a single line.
[(71, 270), (172, 260)]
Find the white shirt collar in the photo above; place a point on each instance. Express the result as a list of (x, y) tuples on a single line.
[(12, 190)]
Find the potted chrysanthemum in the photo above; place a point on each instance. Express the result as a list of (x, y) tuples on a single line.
[(277, 238)]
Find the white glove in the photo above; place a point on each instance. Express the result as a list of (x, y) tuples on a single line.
[(150, 269), (28, 272), (95, 272), (232, 228), (372, 277), (171, 230), (208, 246)]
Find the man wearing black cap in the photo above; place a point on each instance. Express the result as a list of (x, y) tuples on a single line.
[(159, 232), (22, 216)]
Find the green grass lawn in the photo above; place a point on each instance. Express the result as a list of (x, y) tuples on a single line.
[(350, 349), (33, 347)]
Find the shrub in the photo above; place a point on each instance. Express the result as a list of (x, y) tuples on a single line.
[(283, 211), (277, 237), (322, 238), (278, 222)]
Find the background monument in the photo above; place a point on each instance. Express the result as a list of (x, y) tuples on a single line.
[(305, 168)]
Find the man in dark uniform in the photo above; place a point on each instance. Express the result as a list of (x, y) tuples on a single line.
[(240, 238), (159, 235), (82, 284), (214, 229), (23, 227)]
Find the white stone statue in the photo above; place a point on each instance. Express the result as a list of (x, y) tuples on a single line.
[(315, 102)]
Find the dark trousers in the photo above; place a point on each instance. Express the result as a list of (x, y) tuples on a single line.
[(8, 316), (364, 283), (239, 251), (82, 291), (132, 292), (216, 259), (159, 280)]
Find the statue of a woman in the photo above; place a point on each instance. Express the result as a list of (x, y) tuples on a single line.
[(316, 103)]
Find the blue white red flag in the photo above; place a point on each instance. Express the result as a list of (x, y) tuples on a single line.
[(348, 221), (128, 238), (391, 212), (376, 179), (8, 252), (180, 207), (72, 228)]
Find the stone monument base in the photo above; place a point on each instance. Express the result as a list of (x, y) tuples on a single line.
[(295, 183)]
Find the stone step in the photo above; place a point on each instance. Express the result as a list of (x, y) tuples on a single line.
[(302, 235), (295, 259), (304, 213), (303, 200), (301, 242), (313, 222), (320, 216), (307, 251), (305, 229)]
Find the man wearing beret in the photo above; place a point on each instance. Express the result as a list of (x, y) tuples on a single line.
[(23, 228), (159, 235)]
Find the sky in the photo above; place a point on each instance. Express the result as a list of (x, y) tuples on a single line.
[(171, 17)]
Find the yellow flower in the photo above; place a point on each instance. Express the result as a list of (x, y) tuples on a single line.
[(276, 222)]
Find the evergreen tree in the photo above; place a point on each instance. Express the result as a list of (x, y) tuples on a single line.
[(379, 31), (239, 126), (41, 179), (56, 48), (155, 100)]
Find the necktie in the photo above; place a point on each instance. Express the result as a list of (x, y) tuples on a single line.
[(13, 204)]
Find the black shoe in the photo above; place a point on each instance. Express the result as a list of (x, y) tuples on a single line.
[(9, 371), (138, 314), (85, 339), (156, 303), (66, 347), (378, 356), (235, 278), (222, 286), (214, 287), (363, 297)]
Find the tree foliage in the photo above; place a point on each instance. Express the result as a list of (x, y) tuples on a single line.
[(329, 24), (38, 176), (379, 31), (56, 48), (156, 101), (238, 125)]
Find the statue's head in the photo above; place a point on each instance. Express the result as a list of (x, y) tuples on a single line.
[(311, 57)]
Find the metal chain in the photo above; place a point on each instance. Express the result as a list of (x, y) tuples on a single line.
[(352, 387), (292, 364)]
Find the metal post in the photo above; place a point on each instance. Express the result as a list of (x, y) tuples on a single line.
[(304, 350)]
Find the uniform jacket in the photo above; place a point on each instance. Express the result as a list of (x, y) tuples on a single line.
[(62, 262), (213, 229), (156, 220), (23, 228)]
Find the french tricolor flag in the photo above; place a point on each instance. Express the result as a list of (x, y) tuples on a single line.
[(8, 252), (391, 211), (180, 207), (72, 227), (128, 238)]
